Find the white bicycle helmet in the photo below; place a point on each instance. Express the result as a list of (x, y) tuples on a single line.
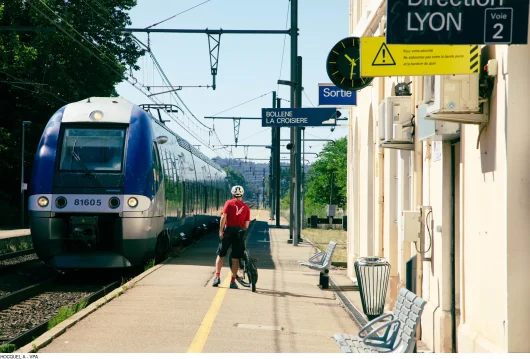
[(238, 191)]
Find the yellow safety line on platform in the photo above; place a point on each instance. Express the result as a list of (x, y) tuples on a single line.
[(204, 330)]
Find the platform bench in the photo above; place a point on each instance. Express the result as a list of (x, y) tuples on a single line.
[(321, 262), (399, 334)]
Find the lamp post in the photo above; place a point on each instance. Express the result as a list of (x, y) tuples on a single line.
[(22, 189)]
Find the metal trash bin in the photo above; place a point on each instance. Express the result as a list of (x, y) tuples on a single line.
[(373, 274)]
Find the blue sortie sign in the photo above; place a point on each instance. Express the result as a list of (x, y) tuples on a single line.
[(298, 117), (331, 95)]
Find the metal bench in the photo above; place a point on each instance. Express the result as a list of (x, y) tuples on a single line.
[(399, 332), (321, 262)]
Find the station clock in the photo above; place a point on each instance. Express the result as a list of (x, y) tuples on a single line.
[(344, 65)]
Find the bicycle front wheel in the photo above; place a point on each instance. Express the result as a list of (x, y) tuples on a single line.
[(251, 270)]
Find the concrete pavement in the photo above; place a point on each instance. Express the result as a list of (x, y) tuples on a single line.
[(176, 309)]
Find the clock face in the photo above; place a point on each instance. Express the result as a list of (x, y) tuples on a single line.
[(344, 65)]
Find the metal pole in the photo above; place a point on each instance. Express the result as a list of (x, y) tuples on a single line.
[(22, 179), (298, 156), (331, 189), (303, 179), (272, 178), (277, 169), (263, 189), (291, 187), (294, 73)]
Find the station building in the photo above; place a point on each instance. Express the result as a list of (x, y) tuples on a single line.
[(467, 179)]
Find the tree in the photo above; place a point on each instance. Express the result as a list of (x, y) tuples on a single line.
[(330, 166), (234, 177), (42, 71)]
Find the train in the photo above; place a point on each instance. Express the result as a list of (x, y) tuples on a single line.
[(113, 187)]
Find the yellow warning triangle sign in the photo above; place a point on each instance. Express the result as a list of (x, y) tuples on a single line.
[(384, 57)]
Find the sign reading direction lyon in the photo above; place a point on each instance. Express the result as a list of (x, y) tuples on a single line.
[(298, 117), (379, 59), (331, 95), (457, 22)]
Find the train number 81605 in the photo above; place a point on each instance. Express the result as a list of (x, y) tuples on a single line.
[(87, 202)]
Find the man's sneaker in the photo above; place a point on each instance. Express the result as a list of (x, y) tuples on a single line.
[(233, 285), (216, 282)]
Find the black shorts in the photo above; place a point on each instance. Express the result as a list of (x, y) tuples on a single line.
[(234, 238)]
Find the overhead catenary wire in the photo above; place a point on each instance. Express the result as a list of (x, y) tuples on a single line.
[(23, 82), (161, 72), (246, 138), (212, 129), (311, 102), (241, 104), (141, 43), (180, 13), (99, 58)]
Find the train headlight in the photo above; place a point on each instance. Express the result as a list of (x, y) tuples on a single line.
[(42, 201), (96, 115), (60, 202), (132, 202), (114, 202)]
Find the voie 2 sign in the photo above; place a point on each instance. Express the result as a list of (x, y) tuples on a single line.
[(457, 22)]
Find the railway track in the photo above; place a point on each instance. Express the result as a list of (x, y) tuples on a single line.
[(32, 294), (27, 313), (14, 260)]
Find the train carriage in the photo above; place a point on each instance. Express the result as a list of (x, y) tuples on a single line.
[(113, 187)]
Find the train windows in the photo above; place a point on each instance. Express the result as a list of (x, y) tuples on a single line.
[(216, 199), (204, 198), (180, 199), (92, 149), (157, 175)]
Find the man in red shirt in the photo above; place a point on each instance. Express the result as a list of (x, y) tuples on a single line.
[(236, 216)]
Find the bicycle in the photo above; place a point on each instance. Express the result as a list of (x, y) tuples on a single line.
[(247, 274)]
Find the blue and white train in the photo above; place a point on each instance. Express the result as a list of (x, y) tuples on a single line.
[(113, 187)]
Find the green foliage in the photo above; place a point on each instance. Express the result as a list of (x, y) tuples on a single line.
[(330, 166), (9, 245), (150, 264), (285, 201), (235, 178), (7, 348), (314, 209), (66, 312), (41, 71)]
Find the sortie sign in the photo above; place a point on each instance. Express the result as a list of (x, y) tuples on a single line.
[(298, 117), (457, 22)]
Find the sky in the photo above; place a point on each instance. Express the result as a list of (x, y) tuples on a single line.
[(248, 68)]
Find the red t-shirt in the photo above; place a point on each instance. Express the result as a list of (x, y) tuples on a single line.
[(237, 213)]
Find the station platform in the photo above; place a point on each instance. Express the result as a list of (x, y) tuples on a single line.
[(15, 233), (174, 308)]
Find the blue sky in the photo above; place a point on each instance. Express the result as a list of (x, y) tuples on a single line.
[(249, 65)]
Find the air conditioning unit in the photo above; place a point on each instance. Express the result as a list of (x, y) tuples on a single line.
[(456, 99), (435, 130), (395, 129)]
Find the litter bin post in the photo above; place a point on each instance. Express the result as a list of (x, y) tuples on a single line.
[(373, 274)]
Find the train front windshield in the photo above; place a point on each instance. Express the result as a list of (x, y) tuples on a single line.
[(92, 149)]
